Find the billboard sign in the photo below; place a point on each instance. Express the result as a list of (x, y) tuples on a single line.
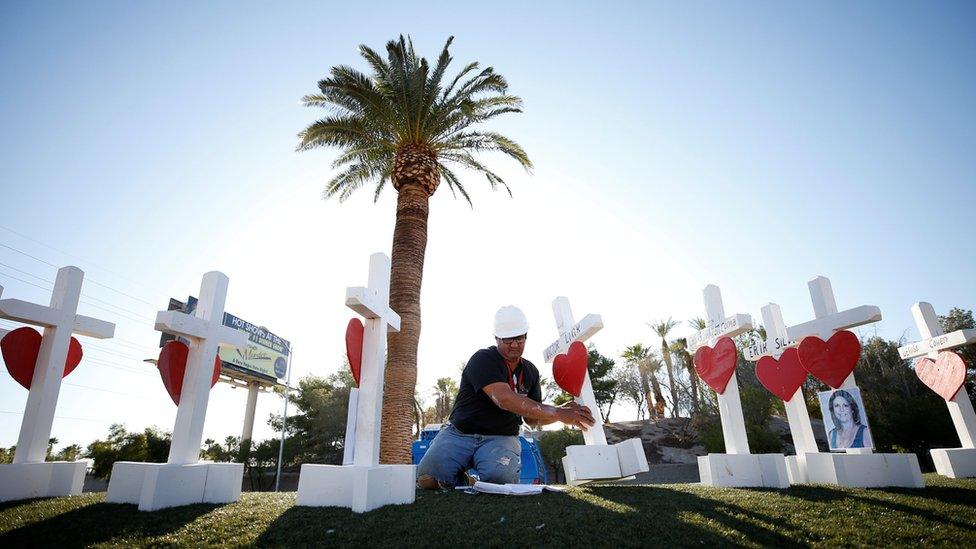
[(266, 353)]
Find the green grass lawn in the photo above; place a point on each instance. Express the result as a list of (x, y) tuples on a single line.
[(680, 514)]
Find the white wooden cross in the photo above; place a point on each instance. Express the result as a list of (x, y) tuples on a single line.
[(729, 403), (373, 303), (935, 339), (569, 332), (828, 320), (59, 320), (205, 329), (796, 407)]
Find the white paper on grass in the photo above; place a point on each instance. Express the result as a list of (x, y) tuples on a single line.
[(510, 489)]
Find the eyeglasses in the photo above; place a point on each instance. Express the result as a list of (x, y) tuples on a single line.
[(511, 340)]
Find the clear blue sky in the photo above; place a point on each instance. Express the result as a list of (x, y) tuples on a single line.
[(751, 145)]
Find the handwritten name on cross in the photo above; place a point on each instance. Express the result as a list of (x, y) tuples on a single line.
[(719, 325), (933, 341), (933, 338), (570, 331), (729, 403), (59, 320), (205, 330), (373, 303), (828, 320), (777, 339)]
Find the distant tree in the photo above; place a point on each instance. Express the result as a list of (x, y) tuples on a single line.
[(662, 328), (229, 451), (445, 390), (319, 421), (604, 386), (962, 319), (632, 386), (151, 446), (647, 367), (680, 349), (7, 454), (68, 453), (552, 445)]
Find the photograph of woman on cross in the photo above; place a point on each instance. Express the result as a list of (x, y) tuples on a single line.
[(844, 419)]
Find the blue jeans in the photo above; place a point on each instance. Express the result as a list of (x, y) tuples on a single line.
[(497, 458)]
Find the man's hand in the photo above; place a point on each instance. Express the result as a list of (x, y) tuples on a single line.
[(575, 414)]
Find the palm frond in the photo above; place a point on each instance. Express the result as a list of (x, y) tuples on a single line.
[(403, 101)]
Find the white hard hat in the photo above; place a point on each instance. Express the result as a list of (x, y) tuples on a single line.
[(510, 321)]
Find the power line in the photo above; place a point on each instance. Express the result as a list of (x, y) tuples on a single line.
[(103, 390), (84, 301), (66, 417), (51, 282), (93, 264), (88, 279)]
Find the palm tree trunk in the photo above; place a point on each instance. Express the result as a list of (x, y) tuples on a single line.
[(409, 245), (659, 397), (666, 355), (648, 396)]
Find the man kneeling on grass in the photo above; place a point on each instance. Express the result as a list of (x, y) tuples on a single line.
[(498, 389)]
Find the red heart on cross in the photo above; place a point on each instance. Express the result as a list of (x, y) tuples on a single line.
[(833, 360), (20, 349), (172, 366), (945, 375), (783, 377), (715, 365), (354, 347), (569, 370)]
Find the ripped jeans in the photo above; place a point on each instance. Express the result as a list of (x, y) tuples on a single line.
[(496, 457)]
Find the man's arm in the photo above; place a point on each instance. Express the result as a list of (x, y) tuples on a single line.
[(541, 414)]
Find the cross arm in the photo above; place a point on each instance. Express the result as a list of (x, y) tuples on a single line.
[(180, 323), (730, 327), (92, 327), (365, 303), (232, 336), (937, 343), (28, 313), (581, 331), (858, 316)]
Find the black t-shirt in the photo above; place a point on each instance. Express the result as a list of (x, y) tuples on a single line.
[(474, 412)]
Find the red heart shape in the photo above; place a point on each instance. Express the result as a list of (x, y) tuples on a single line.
[(569, 370), (716, 365), (833, 360), (20, 349), (172, 366), (945, 375), (782, 377), (354, 347)]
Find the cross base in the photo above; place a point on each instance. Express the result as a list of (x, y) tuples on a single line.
[(604, 461), (154, 486), (796, 469), (955, 462), (743, 470), (357, 487), (41, 480), (864, 470)]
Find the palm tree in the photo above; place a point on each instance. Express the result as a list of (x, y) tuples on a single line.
[(641, 356), (444, 391), (661, 329), (404, 124), (680, 348)]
